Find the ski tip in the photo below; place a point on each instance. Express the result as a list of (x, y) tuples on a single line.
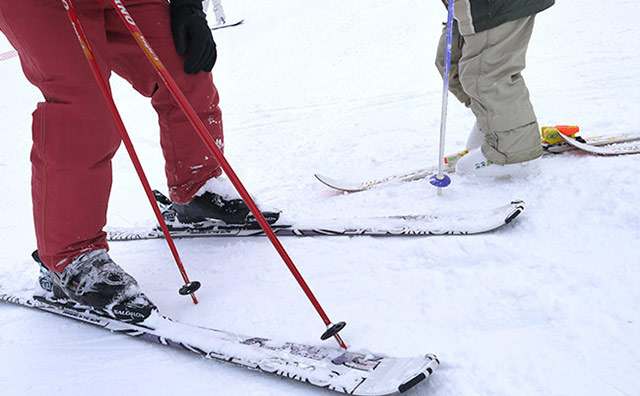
[(36, 257), (518, 208), (433, 364), (339, 185), (160, 197), (611, 149), (412, 382)]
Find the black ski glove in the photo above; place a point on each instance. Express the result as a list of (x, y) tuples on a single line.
[(192, 35)]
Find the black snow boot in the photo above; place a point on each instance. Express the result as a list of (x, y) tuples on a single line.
[(210, 210), (95, 281)]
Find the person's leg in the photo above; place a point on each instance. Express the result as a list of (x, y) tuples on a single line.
[(476, 137), (456, 53), (218, 11), (189, 163), (490, 72), (198, 194), (73, 136)]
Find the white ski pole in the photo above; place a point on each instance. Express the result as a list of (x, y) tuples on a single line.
[(440, 180)]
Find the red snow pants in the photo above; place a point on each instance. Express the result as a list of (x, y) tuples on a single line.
[(74, 137)]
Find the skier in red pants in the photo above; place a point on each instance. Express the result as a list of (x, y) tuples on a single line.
[(74, 137)]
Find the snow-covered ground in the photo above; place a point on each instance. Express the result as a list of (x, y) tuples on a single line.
[(548, 305)]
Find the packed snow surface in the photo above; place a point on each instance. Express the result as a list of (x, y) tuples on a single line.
[(547, 305)]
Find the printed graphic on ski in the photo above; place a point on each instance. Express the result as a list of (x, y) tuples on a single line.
[(342, 371), (590, 145), (452, 223)]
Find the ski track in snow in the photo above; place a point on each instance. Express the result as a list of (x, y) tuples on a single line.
[(547, 305)]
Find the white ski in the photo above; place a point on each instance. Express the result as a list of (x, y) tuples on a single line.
[(592, 144), (593, 141), (451, 223), (349, 186), (611, 148), (228, 24), (336, 369)]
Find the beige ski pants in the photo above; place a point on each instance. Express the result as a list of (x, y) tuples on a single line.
[(486, 76)]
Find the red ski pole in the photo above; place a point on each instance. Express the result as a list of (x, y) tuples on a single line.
[(189, 287), (332, 328)]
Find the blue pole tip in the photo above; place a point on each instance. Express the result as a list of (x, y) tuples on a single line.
[(441, 182)]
